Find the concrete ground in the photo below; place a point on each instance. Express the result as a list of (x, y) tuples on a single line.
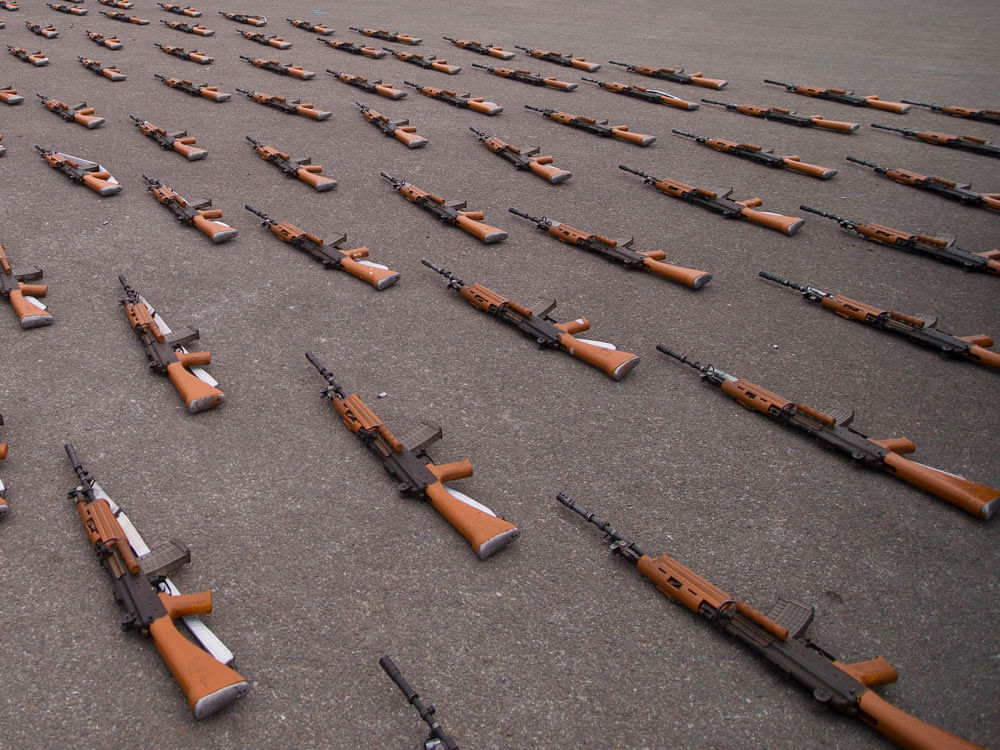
[(317, 568)]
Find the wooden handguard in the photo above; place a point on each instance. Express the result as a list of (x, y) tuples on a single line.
[(484, 531), (30, 314), (309, 174), (978, 499), (205, 220), (622, 133), (687, 276), (197, 394), (784, 224), (615, 363), (469, 221), (813, 170), (102, 528), (906, 730), (380, 278), (208, 684), (682, 584)]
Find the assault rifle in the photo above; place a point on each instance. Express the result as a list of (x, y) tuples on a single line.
[(756, 153), (722, 203), (49, 32), (372, 87), (4, 508), (268, 41), (242, 18), (641, 92), (677, 75), (526, 76), (22, 297), (945, 188), (777, 636), (649, 260), (9, 95), (180, 9), (832, 431), (294, 107), (568, 61), (112, 74), (330, 254), (842, 96), (118, 15), (180, 142), (296, 71), (536, 324), (353, 48), (480, 49), (316, 28), (430, 62), (983, 115), (80, 113), (450, 212), (75, 10), (787, 116), (138, 582), (965, 142), (304, 169), (167, 355), (940, 249), (438, 738), (916, 328), (193, 89), (198, 214), (407, 461), (35, 58), (524, 158), (399, 129), (388, 36), (197, 29), (111, 42), (126, 4), (601, 128), (90, 173), (455, 99), (194, 55)]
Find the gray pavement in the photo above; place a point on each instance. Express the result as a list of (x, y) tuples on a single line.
[(317, 568)]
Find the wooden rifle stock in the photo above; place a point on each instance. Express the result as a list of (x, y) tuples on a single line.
[(905, 730), (614, 362), (978, 499), (208, 684), (687, 276), (785, 224), (197, 394), (308, 174), (470, 222), (30, 314), (185, 147), (540, 166), (622, 133), (813, 170), (205, 221)]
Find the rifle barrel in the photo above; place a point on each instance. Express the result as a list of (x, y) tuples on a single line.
[(686, 360), (326, 374), (686, 135), (818, 212), (636, 172), (618, 540), (919, 104), (889, 127), (715, 101), (779, 83), (865, 163), (529, 217)]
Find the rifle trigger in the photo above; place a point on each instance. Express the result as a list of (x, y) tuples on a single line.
[(792, 615)]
